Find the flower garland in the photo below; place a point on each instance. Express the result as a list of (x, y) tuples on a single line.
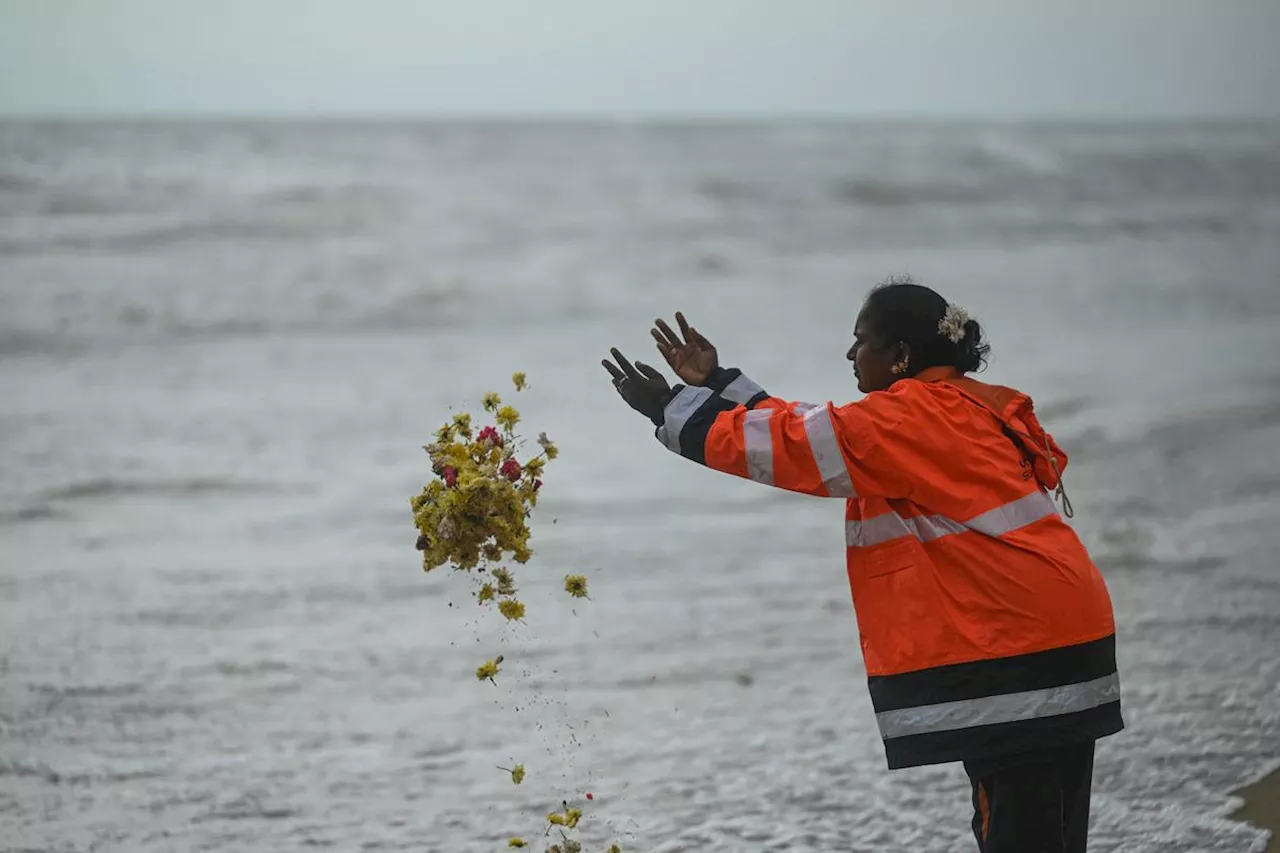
[(476, 513)]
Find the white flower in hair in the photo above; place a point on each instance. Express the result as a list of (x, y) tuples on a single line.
[(951, 326)]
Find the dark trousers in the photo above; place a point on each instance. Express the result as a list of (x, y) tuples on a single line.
[(1033, 802)]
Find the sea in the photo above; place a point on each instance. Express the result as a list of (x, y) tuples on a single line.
[(223, 346)]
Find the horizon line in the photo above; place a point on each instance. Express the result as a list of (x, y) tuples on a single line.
[(602, 117)]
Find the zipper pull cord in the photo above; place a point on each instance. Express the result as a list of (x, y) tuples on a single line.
[(1061, 492)]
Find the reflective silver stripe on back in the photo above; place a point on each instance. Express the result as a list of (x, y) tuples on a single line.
[(1014, 514), (678, 412), (740, 391), (929, 527), (1005, 708), (997, 522), (826, 452), (759, 442), (873, 531)]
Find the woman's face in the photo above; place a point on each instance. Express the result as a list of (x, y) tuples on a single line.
[(872, 360)]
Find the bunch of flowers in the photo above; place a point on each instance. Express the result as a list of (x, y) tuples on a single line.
[(477, 508), (475, 515), (476, 511)]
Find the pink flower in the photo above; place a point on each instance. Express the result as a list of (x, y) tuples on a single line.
[(537, 484), (450, 475), (490, 435), (510, 469)]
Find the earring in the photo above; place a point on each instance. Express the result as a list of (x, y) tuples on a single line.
[(900, 367)]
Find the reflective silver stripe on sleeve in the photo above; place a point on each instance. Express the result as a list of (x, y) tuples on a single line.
[(759, 442), (1005, 708), (826, 452), (677, 413), (740, 390), (802, 408)]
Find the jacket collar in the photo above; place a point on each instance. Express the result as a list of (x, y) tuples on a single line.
[(937, 374)]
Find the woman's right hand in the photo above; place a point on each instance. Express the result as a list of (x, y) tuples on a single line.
[(693, 359)]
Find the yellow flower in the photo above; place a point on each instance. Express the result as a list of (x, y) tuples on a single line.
[(511, 609), (575, 585), (507, 418), (569, 819), (516, 842), (519, 380), (571, 846), (489, 668), (491, 401), (486, 593), (462, 422), (614, 848), (491, 551), (517, 774), (444, 435), (506, 583)]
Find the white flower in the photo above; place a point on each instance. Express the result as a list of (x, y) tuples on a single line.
[(543, 441), (951, 326), (446, 528)]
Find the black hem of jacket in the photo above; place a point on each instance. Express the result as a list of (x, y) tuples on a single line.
[(1004, 738), (1063, 666)]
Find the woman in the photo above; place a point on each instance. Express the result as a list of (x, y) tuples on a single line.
[(987, 632)]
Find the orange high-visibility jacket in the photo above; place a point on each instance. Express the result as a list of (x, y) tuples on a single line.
[(985, 626)]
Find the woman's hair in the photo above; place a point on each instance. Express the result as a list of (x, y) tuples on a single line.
[(901, 311)]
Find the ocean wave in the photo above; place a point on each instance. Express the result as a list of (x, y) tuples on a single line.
[(108, 487), (261, 667), (20, 182), (31, 512), (1214, 428), (870, 192), (241, 231), (248, 807), (88, 691)]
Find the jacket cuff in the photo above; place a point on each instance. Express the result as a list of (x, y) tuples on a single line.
[(731, 384), (661, 416)]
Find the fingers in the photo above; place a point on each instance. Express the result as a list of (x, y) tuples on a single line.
[(667, 336), (685, 328), (624, 364), (696, 337), (617, 374), (648, 371), (664, 346), (671, 355)]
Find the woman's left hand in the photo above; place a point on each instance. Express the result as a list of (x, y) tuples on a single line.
[(641, 386)]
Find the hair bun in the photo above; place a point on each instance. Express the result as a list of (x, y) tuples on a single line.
[(954, 324)]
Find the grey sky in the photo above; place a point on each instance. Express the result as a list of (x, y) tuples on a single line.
[(1019, 58)]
